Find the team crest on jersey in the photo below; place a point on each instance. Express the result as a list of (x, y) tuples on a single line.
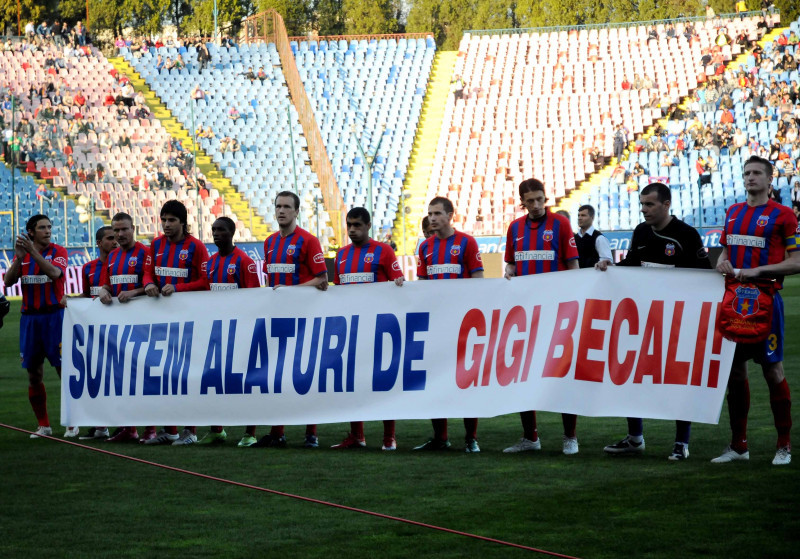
[(669, 250), (746, 301), (456, 250), (231, 269), (762, 221), (547, 235), (132, 261), (48, 257), (369, 257), (290, 250), (184, 254)]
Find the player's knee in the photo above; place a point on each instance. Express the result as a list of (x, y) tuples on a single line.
[(773, 373)]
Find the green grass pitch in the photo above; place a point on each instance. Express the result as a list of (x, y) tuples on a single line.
[(61, 501)]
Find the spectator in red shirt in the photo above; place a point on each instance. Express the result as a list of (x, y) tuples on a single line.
[(79, 99)]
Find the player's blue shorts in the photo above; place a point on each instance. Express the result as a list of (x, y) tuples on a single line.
[(40, 337), (770, 350)]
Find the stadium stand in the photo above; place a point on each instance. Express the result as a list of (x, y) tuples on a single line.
[(537, 104), (92, 136), (754, 113), (368, 92), (255, 110)]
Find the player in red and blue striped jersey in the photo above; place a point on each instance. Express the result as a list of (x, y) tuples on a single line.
[(123, 278), (448, 254), (538, 243), (91, 274), (365, 260), (760, 240), (292, 256), (41, 267), (230, 268), (92, 271), (176, 262)]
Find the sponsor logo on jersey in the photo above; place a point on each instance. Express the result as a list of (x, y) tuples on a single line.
[(290, 249), (444, 269), (94, 291), (184, 254), (669, 250), (762, 221), (396, 265), (223, 286), (132, 261), (746, 240), (203, 267), (148, 260), (251, 268), (746, 301), (35, 280), (547, 235), (164, 272), (319, 258), (528, 255), (123, 279), (369, 257), (280, 268), (231, 269), (60, 260), (572, 242), (361, 277), (455, 250)]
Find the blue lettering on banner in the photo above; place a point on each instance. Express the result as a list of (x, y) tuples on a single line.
[(103, 346), (331, 356), (302, 379), (414, 379), (233, 381), (115, 360), (283, 329), (258, 362), (150, 383), (212, 369), (383, 379)]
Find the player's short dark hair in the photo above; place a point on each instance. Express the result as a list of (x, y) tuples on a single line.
[(531, 185), (289, 194), (31, 223), (102, 232), (565, 213), (229, 223), (766, 163), (662, 191), (177, 209), (360, 213), (426, 224), (446, 204), (122, 216), (589, 208)]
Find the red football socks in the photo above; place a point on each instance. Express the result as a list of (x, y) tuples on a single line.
[(357, 429), (780, 400), (38, 398), (738, 408), (570, 422)]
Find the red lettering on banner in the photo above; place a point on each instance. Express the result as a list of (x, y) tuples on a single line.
[(591, 338), (506, 374), (626, 312), (700, 347), (562, 337), (650, 363), (534, 329), (466, 377), (675, 372), (487, 366), (716, 348)]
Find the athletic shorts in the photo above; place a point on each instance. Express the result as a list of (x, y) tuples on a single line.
[(770, 350), (40, 337)]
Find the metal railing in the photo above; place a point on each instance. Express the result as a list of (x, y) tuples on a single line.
[(615, 25), (269, 27)]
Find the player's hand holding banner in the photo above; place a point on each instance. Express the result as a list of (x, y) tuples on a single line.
[(633, 342)]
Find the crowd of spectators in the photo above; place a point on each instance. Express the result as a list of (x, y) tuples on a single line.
[(709, 121), (53, 121)]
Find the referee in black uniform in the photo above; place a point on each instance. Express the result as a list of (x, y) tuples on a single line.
[(662, 241)]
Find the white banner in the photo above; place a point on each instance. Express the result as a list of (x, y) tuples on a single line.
[(627, 342)]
